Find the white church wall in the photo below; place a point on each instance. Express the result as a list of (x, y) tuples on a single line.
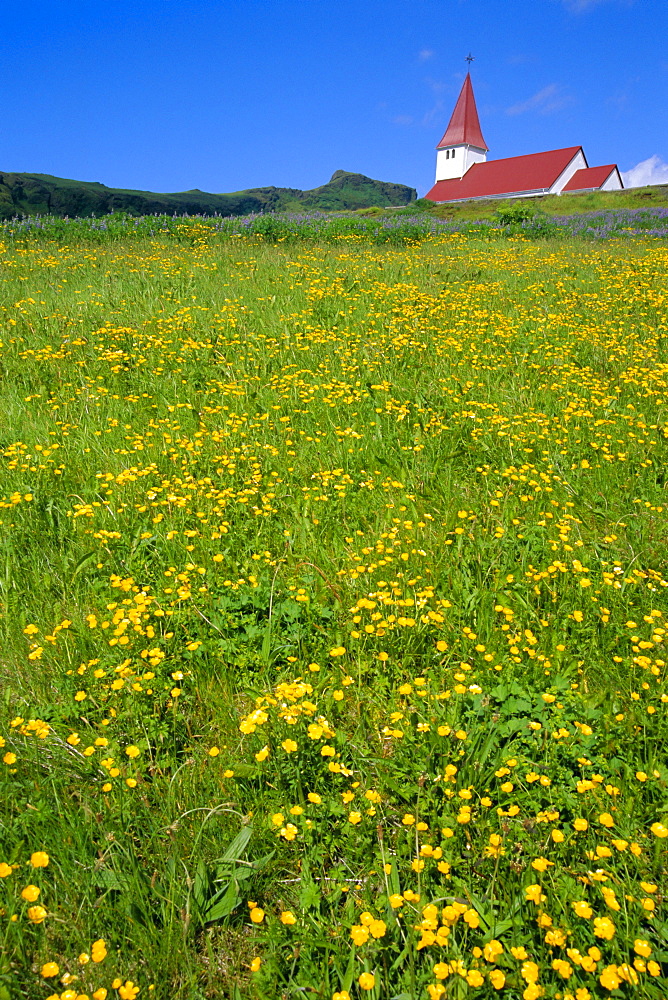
[(454, 161), (613, 182), (473, 155), (577, 163)]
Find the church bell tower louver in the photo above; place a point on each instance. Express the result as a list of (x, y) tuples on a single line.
[(462, 144)]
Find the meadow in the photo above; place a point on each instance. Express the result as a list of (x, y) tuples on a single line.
[(334, 610)]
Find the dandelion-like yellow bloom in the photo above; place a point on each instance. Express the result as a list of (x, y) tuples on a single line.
[(99, 950), (609, 979), (532, 992), (534, 894), (529, 972), (128, 991), (492, 950), (359, 934), (604, 928)]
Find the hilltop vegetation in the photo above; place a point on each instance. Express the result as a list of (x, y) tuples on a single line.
[(655, 196), (41, 194), (23, 194)]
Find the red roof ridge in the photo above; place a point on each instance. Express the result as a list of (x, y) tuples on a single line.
[(464, 124), (545, 152)]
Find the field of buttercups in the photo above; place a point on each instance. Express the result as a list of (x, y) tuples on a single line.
[(334, 611)]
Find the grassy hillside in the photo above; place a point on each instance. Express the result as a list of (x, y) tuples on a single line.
[(655, 196), (42, 194)]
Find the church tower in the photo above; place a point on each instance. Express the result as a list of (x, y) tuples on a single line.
[(463, 143)]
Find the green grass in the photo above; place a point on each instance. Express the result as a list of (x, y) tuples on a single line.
[(655, 196), (359, 551)]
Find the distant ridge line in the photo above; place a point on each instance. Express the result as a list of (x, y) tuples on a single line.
[(43, 194)]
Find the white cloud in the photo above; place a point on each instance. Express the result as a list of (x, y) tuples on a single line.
[(402, 120), (580, 6), (425, 54), (653, 170), (520, 59), (545, 102), (434, 114)]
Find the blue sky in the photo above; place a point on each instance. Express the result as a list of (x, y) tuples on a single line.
[(167, 95)]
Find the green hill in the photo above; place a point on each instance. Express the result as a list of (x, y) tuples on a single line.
[(655, 196), (41, 194)]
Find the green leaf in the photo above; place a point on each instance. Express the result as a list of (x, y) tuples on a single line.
[(393, 880), (350, 970), (222, 907), (107, 878), (83, 562), (309, 895), (238, 845)]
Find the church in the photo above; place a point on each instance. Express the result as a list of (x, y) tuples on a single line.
[(464, 173)]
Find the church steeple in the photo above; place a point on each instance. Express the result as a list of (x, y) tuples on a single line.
[(464, 125), (462, 144)]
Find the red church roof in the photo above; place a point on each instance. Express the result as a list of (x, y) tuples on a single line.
[(464, 125), (590, 179), (535, 173)]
